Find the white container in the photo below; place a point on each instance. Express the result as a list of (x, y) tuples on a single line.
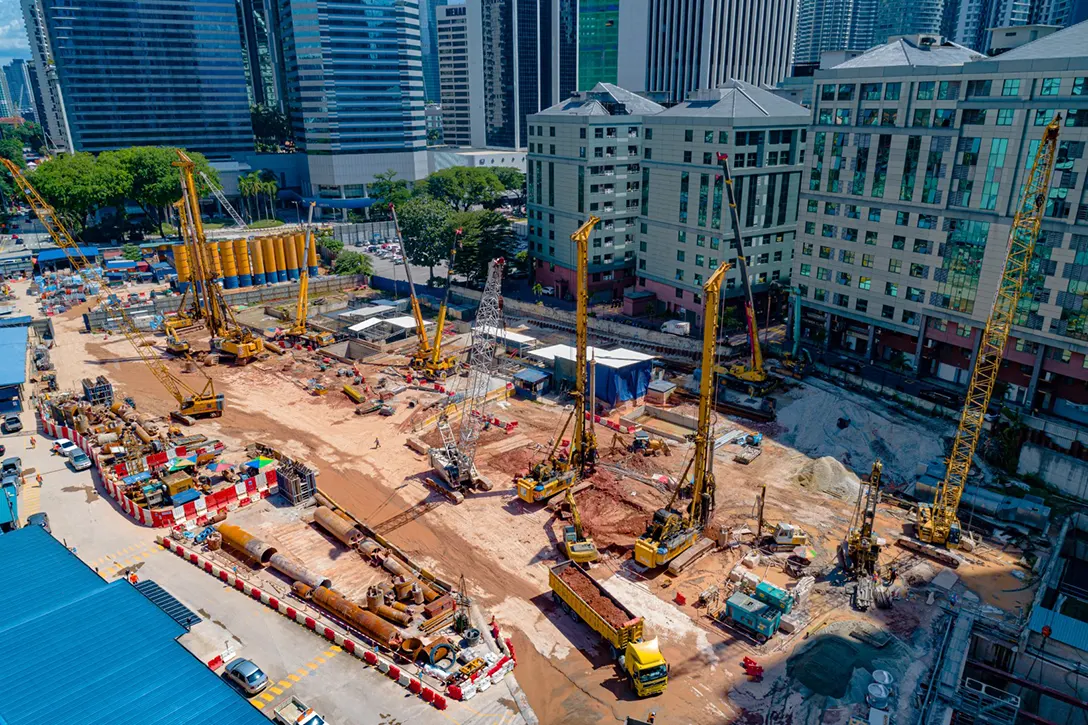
[(883, 677), (877, 696)]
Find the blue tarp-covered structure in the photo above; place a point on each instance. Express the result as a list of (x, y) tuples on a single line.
[(622, 375)]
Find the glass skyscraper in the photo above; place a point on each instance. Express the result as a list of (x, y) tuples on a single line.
[(152, 72), (598, 42)]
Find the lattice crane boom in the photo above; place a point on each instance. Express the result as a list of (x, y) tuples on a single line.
[(939, 523)]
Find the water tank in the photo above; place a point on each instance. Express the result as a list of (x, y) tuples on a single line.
[(230, 269), (241, 260), (281, 259), (311, 255), (290, 256), (256, 254), (877, 696)]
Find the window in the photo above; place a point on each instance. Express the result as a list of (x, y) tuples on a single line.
[(810, 227), (846, 257), (649, 134), (826, 118), (831, 208), (842, 300), (1042, 117), (828, 230), (965, 331), (819, 295), (899, 242), (679, 277), (895, 266), (1080, 88), (978, 88), (846, 92), (925, 91), (849, 234), (944, 117), (813, 206), (648, 153), (902, 218), (919, 271), (867, 260), (598, 133), (1050, 87), (842, 116), (870, 91), (868, 117), (1005, 116), (921, 246), (871, 238), (687, 157), (708, 137), (874, 213), (891, 91), (852, 211), (723, 137), (973, 117), (806, 249), (827, 92), (865, 283), (927, 221), (699, 260), (921, 117), (708, 158), (689, 135), (822, 273), (914, 294), (910, 318), (825, 252), (581, 132), (948, 91), (891, 289), (861, 306), (887, 117), (1011, 87)]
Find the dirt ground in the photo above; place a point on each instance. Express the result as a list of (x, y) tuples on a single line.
[(504, 548)]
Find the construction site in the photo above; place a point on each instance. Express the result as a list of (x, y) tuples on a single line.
[(628, 524)]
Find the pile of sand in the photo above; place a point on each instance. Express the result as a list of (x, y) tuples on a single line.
[(827, 475)]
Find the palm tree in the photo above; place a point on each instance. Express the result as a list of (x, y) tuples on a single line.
[(270, 185), (247, 187)]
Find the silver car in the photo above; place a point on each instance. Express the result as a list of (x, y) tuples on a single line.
[(246, 676)]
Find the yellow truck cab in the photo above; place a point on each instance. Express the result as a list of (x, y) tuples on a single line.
[(647, 668)]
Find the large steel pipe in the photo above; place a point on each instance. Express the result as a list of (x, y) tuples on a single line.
[(375, 604), (297, 572), (342, 529), (399, 569), (336, 604), (244, 542)]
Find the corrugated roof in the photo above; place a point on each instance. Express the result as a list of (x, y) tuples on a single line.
[(86, 651), (531, 375), (595, 102), (903, 52), (1062, 44), (618, 358), (13, 355), (740, 100), (504, 334), (1063, 628), (56, 255)]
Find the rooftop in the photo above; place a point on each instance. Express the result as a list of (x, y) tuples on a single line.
[(57, 254), (13, 354), (605, 99), (911, 51), (96, 652), (737, 100), (1062, 44), (618, 358)]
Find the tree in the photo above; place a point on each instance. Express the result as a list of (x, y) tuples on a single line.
[(387, 188), (464, 186), (349, 262), (427, 234), (77, 185), (272, 130), (330, 243), (512, 180), (132, 252), (486, 235), (11, 148), (155, 178)]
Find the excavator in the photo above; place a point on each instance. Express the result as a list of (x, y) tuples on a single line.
[(750, 376), (427, 359), (191, 403), (861, 548), (938, 523), (559, 471), (234, 340), (300, 331), (673, 530), (576, 544)]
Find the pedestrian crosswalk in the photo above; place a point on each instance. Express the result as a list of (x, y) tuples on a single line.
[(111, 564)]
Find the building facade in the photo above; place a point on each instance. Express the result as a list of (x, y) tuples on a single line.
[(908, 17), (428, 36), (49, 99), (355, 91), (598, 42), (148, 73), (652, 176), (829, 25), (17, 75), (668, 48), (916, 158), (259, 23), (460, 70)]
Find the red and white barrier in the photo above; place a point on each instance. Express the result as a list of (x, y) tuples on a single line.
[(193, 514), (356, 649)]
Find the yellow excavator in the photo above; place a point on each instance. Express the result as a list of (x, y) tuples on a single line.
[(559, 472), (191, 403), (427, 359), (300, 330), (576, 544), (750, 376), (234, 340), (939, 523), (673, 530)]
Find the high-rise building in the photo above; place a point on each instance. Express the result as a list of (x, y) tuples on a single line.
[(598, 41), (354, 79), (428, 36), (460, 71), (17, 74), (827, 25), (916, 159), (671, 47), (261, 54), (907, 17), (149, 73), (48, 98), (7, 103)]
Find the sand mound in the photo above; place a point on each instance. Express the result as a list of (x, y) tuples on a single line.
[(827, 475)]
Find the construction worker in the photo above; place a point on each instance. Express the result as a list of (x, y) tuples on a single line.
[(377, 443), (33, 442), (38, 478)]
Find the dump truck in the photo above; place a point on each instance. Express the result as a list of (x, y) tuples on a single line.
[(759, 618), (296, 712), (585, 600)]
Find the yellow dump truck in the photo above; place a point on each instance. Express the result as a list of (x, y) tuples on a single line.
[(579, 594)]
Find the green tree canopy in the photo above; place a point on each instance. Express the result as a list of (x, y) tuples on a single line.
[(330, 243), (349, 262), (512, 179), (463, 186), (486, 235), (390, 190), (271, 129), (427, 234), (132, 252), (11, 148), (77, 185)]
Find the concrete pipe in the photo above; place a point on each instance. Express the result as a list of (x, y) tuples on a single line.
[(336, 604), (290, 256), (244, 542), (241, 261), (281, 262), (368, 547), (373, 598), (404, 589), (256, 253), (181, 263), (297, 572), (399, 569), (346, 533), (141, 433), (417, 594)]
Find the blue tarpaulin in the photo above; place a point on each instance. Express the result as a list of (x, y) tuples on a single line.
[(136, 478), (58, 254)]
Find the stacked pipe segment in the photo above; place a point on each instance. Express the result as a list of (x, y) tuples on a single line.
[(256, 252), (335, 603), (241, 260), (182, 266), (230, 270), (290, 256), (311, 254), (246, 543), (281, 260), (211, 252), (268, 249), (300, 251)]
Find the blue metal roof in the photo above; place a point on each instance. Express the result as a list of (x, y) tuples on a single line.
[(96, 653), (57, 255), (22, 321), (531, 375), (12, 356)]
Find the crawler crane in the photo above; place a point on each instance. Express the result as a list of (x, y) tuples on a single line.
[(938, 523), (673, 530), (750, 376), (191, 403), (559, 472), (300, 330)]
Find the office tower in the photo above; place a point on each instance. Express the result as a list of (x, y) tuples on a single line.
[(460, 72), (976, 17), (916, 158), (827, 25), (671, 47), (136, 74), (428, 36), (598, 41), (259, 23), (48, 98), (907, 17), (357, 105), (7, 103), (17, 74)]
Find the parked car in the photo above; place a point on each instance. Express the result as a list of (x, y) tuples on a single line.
[(847, 367), (11, 424), (247, 676), (11, 466), (80, 461), (39, 519), (65, 447), (548, 291), (941, 397)]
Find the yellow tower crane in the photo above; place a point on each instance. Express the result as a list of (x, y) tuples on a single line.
[(191, 403), (558, 472), (672, 531), (235, 341), (300, 330), (938, 523)]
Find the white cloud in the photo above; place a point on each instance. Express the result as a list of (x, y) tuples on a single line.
[(13, 36)]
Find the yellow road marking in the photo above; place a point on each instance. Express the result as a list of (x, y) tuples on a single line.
[(275, 690), (285, 684), (328, 653), (256, 703), (293, 678), (336, 648), (311, 665), (303, 672), (267, 696), (320, 659)]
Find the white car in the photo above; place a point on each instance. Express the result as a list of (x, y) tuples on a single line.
[(549, 291), (66, 447)]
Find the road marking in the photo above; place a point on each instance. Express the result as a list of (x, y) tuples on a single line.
[(329, 653), (293, 678), (267, 697), (311, 665), (275, 690), (336, 648), (303, 672), (285, 684), (257, 704), (321, 660)]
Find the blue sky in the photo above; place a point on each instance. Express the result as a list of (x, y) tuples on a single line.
[(13, 42)]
